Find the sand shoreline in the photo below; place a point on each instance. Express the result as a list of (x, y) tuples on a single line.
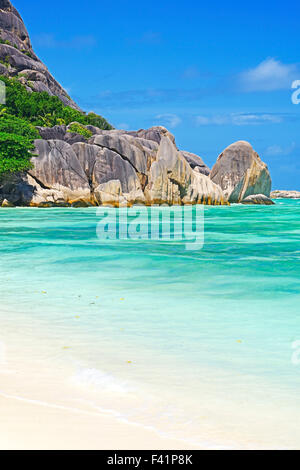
[(29, 425)]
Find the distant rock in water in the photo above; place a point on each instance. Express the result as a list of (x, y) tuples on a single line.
[(258, 199), (240, 172), (285, 194), (19, 60)]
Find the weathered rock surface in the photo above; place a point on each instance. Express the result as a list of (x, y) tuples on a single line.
[(57, 168), (240, 172), (122, 168), (112, 167), (19, 58), (258, 199), (196, 163), (285, 194)]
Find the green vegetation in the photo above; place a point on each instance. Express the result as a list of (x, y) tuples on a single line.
[(16, 144), (15, 153), (41, 109), (22, 112), (79, 129), (6, 41), (13, 125)]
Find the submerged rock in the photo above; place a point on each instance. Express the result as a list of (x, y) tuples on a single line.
[(240, 172), (258, 199)]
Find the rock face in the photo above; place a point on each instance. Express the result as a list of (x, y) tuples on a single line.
[(18, 58), (285, 194), (116, 168), (196, 163), (240, 173)]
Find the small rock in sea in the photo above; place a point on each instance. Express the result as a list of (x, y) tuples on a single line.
[(258, 199)]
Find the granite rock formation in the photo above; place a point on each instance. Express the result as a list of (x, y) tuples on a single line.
[(111, 168), (240, 172)]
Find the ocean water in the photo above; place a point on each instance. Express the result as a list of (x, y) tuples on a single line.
[(201, 345)]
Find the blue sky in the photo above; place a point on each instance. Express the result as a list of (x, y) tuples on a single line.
[(212, 72)]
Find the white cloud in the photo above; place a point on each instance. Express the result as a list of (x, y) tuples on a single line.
[(169, 120), (269, 75), (238, 119), (277, 150), (77, 42)]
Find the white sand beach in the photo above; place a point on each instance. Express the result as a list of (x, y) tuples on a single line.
[(27, 425)]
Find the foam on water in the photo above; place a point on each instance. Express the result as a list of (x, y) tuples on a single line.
[(99, 379)]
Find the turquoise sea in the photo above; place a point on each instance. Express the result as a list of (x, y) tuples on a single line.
[(199, 345)]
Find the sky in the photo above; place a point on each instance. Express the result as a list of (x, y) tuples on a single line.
[(211, 72)]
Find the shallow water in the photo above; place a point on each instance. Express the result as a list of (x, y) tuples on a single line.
[(197, 344)]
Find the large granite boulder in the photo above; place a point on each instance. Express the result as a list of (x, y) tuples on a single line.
[(103, 166), (240, 172), (56, 167), (173, 181)]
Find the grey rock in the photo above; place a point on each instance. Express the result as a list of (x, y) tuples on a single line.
[(56, 166), (285, 194), (240, 172), (120, 145), (72, 138), (3, 70), (172, 180), (154, 133), (258, 199), (52, 133), (102, 165), (16, 190), (196, 162)]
